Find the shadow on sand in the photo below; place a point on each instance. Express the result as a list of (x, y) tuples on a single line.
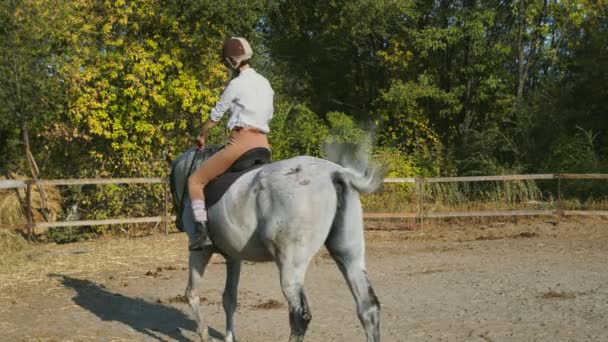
[(144, 317)]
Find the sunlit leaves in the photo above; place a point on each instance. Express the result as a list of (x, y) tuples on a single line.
[(138, 81)]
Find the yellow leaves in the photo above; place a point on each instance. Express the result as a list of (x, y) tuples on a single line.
[(130, 91), (116, 146), (134, 81), (183, 124), (144, 127), (397, 56), (95, 154), (118, 42), (88, 27), (165, 59), (131, 78), (106, 28), (159, 99), (95, 126), (151, 44), (217, 71), (63, 131)]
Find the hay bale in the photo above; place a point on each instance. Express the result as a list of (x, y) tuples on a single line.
[(11, 243), (12, 202)]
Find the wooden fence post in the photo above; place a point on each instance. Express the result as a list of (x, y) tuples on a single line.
[(28, 212), (421, 202), (166, 205), (559, 205)]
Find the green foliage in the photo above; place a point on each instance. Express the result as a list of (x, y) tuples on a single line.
[(326, 52), (578, 154), (30, 86), (402, 114), (296, 130), (61, 235), (109, 87), (394, 197), (343, 129), (138, 85), (488, 153)]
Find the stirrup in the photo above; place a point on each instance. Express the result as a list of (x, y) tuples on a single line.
[(200, 238)]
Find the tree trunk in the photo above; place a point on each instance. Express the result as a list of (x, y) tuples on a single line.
[(525, 61), (467, 112), (520, 54), (33, 168)]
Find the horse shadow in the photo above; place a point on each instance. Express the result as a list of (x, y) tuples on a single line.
[(142, 316)]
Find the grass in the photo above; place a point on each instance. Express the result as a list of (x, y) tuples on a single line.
[(479, 196), (11, 243)]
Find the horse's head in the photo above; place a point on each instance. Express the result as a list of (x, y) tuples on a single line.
[(181, 168)]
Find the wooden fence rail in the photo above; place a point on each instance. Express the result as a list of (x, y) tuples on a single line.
[(420, 215)]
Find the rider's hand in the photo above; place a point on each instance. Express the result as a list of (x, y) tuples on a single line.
[(200, 142)]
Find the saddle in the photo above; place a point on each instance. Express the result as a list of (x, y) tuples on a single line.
[(250, 160)]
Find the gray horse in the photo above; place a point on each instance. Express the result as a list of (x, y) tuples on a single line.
[(284, 212)]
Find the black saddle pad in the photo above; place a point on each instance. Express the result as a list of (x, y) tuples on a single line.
[(251, 160)]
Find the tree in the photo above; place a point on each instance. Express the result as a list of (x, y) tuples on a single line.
[(327, 52), (30, 87)]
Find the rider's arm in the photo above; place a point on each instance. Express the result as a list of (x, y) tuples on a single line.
[(228, 96), (209, 124), (217, 112)]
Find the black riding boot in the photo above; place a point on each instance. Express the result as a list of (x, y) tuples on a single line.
[(200, 238)]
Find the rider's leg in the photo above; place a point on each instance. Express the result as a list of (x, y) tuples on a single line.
[(239, 143), (211, 168)]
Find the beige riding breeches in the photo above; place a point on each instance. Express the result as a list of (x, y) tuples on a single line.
[(241, 140)]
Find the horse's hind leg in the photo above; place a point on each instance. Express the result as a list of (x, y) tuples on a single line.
[(347, 247), (368, 306), (233, 271), (198, 260), (292, 284)]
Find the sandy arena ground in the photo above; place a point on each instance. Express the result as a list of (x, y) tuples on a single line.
[(525, 281)]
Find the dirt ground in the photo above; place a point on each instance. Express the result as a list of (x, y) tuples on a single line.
[(500, 281)]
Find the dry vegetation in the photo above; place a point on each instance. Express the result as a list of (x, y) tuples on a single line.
[(12, 204)]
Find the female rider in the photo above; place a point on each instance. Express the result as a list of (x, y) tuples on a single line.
[(249, 97)]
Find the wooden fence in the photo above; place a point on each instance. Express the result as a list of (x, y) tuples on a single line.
[(420, 215)]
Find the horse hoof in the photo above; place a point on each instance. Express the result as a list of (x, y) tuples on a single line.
[(229, 338)]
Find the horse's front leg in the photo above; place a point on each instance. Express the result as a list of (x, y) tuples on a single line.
[(198, 260), (233, 272)]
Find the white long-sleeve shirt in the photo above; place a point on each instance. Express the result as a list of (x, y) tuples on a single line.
[(250, 99)]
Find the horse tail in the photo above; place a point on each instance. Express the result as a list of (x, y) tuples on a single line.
[(366, 182), (357, 170), (349, 181), (346, 180)]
